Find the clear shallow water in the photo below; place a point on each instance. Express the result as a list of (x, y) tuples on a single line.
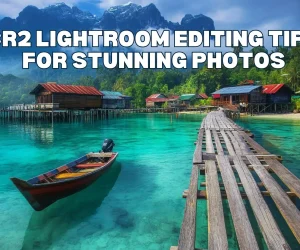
[(137, 204), (279, 136)]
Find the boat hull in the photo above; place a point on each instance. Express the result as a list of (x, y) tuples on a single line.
[(43, 195)]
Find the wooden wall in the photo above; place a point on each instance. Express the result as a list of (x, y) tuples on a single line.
[(113, 103), (154, 104), (284, 95), (256, 96), (70, 101), (77, 101), (43, 97)]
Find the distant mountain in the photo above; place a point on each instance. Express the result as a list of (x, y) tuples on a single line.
[(135, 17), (55, 17), (63, 17), (124, 17)]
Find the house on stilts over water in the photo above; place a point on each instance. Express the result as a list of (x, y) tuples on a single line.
[(253, 98)]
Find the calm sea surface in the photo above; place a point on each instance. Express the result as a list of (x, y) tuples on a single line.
[(137, 204)]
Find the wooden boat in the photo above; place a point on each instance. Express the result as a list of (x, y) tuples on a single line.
[(43, 190)]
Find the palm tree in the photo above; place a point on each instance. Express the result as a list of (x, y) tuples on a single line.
[(293, 77)]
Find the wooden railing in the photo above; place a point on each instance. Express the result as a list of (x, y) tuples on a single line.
[(39, 106)]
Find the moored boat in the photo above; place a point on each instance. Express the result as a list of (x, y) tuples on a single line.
[(43, 190)]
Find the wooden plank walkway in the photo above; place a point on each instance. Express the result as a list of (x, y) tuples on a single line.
[(231, 159)]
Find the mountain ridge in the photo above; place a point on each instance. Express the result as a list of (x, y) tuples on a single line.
[(129, 16), (63, 17)]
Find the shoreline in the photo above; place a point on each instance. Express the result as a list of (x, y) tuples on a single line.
[(287, 116), (193, 112)]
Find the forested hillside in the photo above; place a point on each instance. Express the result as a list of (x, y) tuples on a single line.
[(15, 90), (142, 83)]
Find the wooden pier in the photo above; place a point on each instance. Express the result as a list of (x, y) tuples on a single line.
[(51, 112), (70, 114), (236, 168)]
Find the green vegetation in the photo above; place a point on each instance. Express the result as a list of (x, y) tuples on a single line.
[(15, 90), (296, 103), (142, 83), (203, 102)]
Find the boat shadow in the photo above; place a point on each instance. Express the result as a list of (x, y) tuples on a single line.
[(48, 226)]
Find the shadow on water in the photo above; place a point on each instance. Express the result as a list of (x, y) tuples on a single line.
[(48, 226)]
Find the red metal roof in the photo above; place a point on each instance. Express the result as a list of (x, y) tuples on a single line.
[(70, 89), (272, 88), (203, 95), (246, 82), (157, 99), (156, 96)]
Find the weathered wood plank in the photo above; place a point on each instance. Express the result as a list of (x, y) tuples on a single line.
[(221, 184), (284, 204), (235, 144), (218, 142), (197, 159), (242, 225), (228, 143), (289, 179), (273, 236), (202, 194), (188, 228), (217, 238), (240, 147), (176, 248), (258, 148), (243, 145), (212, 156), (209, 143)]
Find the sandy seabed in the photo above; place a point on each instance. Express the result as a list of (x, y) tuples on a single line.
[(293, 116), (193, 112), (288, 116)]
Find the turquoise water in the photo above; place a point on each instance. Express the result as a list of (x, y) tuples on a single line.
[(137, 204)]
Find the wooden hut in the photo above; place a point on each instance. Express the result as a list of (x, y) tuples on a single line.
[(115, 100), (173, 101), (240, 94), (202, 96), (67, 96), (189, 99), (156, 100), (278, 93)]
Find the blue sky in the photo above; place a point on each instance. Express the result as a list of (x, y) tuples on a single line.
[(227, 14)]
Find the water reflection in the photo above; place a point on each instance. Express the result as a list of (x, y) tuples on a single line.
[(48, 226), (42, 133)]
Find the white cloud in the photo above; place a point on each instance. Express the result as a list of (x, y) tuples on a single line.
[(230, 15), (276, 24), (12, 8), (177, 17)]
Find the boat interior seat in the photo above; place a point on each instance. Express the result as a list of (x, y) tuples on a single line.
[(90, 165), (68, 175), (73, 175), (88, 170)]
